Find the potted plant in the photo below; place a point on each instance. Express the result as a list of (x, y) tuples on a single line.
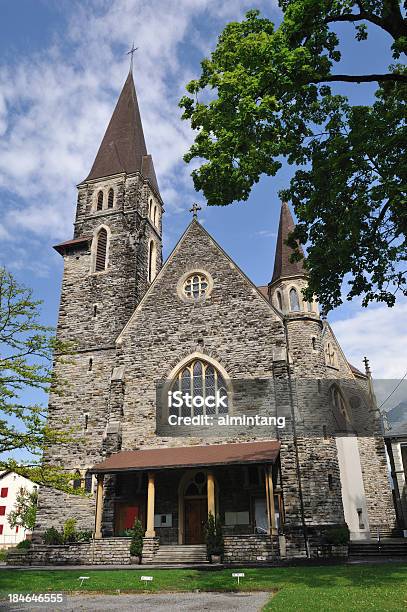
[(214, 539), (136, 545)]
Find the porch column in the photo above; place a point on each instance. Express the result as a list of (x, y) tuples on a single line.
[(150, 533), (99, 507), (211, 493), (270, 499)]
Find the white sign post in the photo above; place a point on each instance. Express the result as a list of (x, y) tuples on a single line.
[(82, 578), (238, 576), (146, 579)]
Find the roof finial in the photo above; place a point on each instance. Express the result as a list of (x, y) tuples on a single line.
[(194, 210), (367, 366), (131, 52)]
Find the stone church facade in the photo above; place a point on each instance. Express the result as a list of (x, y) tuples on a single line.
[(198, 323)]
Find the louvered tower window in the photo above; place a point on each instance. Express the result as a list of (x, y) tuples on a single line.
[(100, 200), (110, 198), (101, 251)]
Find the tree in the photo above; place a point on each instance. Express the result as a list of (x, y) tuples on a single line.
[(27, 351), (270, 99), (25, 509), (136, 545)]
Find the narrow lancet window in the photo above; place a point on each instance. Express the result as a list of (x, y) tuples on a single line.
[(294, 301), (152, 257), (101, 251), (100, 201), (110, 198)]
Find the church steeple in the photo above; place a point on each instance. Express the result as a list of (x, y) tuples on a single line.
[(123, 148), (283, 267), (117, 247), (289, 277)]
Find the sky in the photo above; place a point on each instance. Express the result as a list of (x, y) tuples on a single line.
[(62, 66)]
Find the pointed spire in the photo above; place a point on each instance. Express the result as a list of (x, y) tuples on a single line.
[(123, 147), (283, 267)]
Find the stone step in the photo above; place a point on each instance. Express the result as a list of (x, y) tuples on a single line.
[(179, 559), (181, 554), (384, 549), (182, 547)]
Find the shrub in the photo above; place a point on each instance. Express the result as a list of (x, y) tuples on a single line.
[(84, 536), (69, 531), (53, 536), (337, 536), (24, 544), (214, 536), (136, 546)]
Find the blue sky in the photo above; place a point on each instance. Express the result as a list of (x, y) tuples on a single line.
[(62, 65)]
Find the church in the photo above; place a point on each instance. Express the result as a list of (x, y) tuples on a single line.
[(144, 329)]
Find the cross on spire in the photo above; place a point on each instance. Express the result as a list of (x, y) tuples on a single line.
[(131, 52), (367, 366), (194, 210)]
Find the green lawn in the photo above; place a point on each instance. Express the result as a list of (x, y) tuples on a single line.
[(320, 589)]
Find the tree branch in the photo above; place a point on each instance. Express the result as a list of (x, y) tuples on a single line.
[(361, 78), (346, 17), (392, 22)]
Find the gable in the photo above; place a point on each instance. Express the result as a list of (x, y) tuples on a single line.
[(236, 319)]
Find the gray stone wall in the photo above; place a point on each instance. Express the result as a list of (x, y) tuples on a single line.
[(113, 551), (93, 310), (250, 549)]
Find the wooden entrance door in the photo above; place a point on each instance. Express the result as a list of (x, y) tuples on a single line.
[(125, 515), (196, 516)]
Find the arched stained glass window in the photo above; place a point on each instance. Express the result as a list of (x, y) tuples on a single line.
[(196, 486), (340, 408), (204, 383)]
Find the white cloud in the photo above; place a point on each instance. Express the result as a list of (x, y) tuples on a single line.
[(380, 334), (55, 106), (266, 233)]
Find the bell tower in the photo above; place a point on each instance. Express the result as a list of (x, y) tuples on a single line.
[(109, 263), (115, 252)]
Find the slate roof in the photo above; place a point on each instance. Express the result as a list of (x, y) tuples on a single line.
[(283, 267), (123, 148)]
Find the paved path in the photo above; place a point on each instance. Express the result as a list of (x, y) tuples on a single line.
[(165, 602)]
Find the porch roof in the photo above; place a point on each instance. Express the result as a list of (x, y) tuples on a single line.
[(190, 456)]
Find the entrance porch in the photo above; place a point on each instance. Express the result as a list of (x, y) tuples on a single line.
[(173, 490)]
